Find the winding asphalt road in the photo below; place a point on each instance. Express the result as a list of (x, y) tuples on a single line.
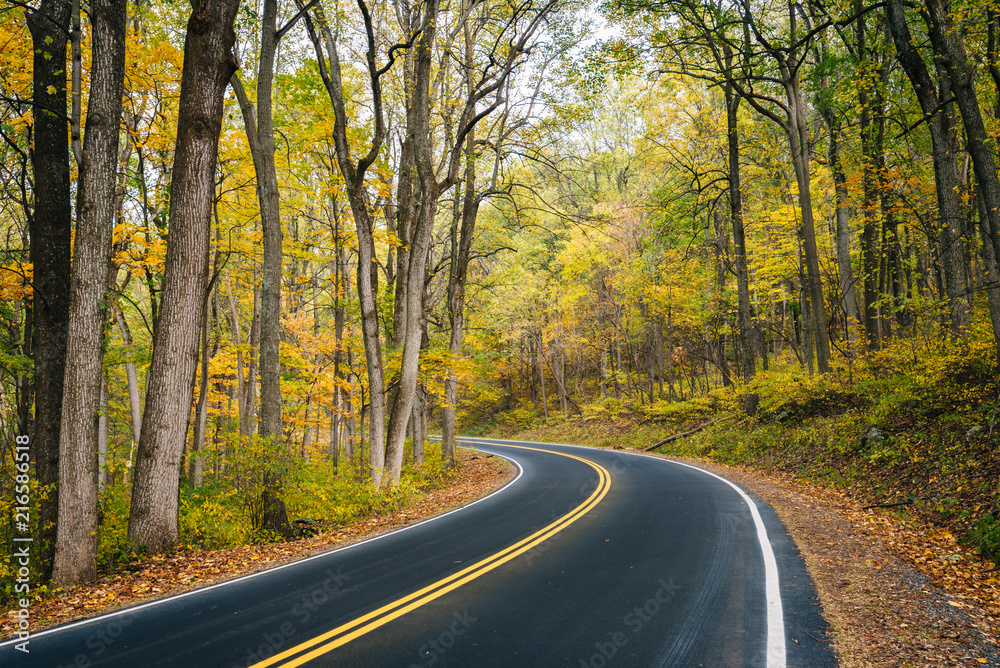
[(590, 558)]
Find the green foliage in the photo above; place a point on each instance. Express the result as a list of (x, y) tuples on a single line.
[(11, 492), (986, 536), (521, 417), (113, 549), (257, 470), (319, 491), (696, 409), (212, 517)]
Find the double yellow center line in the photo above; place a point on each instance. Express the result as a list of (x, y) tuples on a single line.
[(356, 628)]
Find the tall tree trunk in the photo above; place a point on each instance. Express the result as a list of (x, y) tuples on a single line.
[(260, 136), (76, 540), (718, 347), (342, 402), (333, 447), (749, 366), (870, 247), (814, 282), (208, 65), (462, 232), (947, 41), (991, 269), (49, 230), (409, 365), (419, 132), (796, 128), (848, 302), (357, 196)]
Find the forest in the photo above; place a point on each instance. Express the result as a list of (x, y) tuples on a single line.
[(258, 256)]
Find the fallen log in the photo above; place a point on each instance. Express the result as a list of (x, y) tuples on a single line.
[(681, 435)]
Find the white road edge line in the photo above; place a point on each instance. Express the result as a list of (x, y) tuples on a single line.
[(776, 655), (775, 615), (142, 606)]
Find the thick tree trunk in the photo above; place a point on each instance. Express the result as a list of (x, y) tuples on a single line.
[(410, 362), (76, 541), (419, 132), (49, 231), (208, 65)]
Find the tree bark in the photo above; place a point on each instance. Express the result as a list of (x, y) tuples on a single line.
[(76, 539), (418, 132), (461, 249), (795, 125), (208, 65), (848, 302), (991, 279), (49, 230), (870, 247), (357, 197), (260, 136), (814, 283), (747, 359), (949, 43)]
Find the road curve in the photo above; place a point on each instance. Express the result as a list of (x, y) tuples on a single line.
[(590, 558)]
